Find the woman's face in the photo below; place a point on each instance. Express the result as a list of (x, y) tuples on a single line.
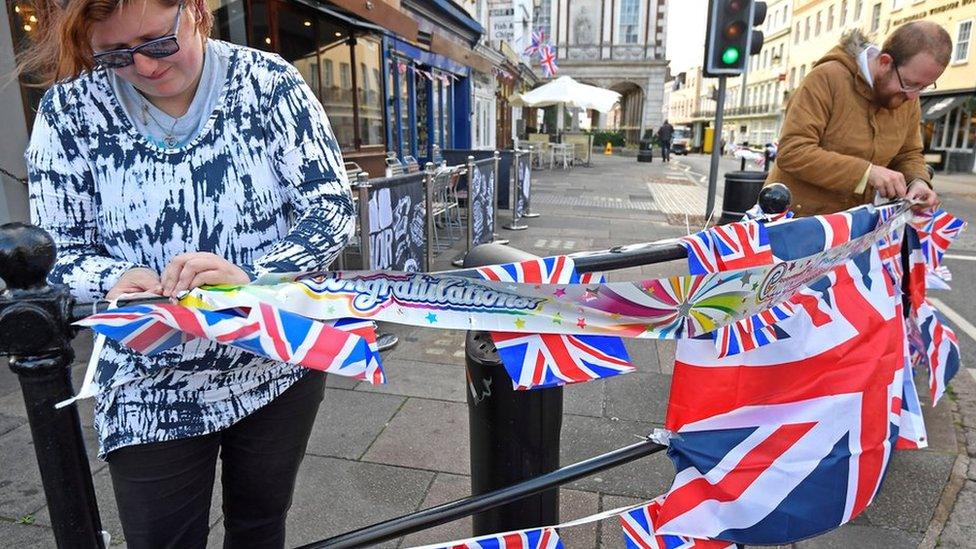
[(139, 21)]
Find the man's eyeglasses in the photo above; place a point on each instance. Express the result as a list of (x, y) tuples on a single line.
[(913, 89), (156, 48)]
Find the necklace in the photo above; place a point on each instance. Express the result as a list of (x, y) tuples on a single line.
[(168, 138)]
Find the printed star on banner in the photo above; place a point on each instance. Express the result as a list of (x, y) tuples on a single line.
[(560, 292), (431, 317), (581, 322), (557, 319), (519, 323)]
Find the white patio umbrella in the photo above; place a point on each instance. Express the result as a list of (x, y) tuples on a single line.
[(566, 92)]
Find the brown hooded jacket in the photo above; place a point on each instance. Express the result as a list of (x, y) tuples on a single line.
[(833, 132)]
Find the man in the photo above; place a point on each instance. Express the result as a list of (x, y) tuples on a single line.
[(852, 126), (665, 134)]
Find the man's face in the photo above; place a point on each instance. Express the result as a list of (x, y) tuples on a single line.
[(897, 84)]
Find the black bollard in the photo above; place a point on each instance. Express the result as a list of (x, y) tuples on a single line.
[(741, 193), (514, 434), (35, 332)]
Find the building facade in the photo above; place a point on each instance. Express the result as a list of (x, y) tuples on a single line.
[(397, 77), (799, 32), (615, 44)]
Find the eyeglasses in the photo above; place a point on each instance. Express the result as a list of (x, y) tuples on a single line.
[(156, 48), (915, 89)]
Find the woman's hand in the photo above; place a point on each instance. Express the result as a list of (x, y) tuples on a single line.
[(135, 281), (190, 270)]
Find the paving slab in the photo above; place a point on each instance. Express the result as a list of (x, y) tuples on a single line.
[(425, 434), (21, 491), (644, 354), (611, 533), (638, 397), (862, 537), (349, 421), (26, 536), (586, 437), (911, 491), (336, 495), (420, 379), (960, 529), (437, 346), (585, 399)]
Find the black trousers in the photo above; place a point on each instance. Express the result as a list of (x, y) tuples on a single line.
[(163, 489), (666, 151)]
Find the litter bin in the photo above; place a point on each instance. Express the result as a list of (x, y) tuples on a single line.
[(646, 151), (741, 193)]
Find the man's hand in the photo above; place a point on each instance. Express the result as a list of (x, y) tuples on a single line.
[(920, 192), (190, 270), (134, 281), (888, 183)]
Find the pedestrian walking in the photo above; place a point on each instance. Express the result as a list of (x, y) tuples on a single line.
[(665, 134), (161, 160)]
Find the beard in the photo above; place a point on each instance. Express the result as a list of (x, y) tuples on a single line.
[(887, 99)]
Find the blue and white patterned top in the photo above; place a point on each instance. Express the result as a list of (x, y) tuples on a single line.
[(262, 185)]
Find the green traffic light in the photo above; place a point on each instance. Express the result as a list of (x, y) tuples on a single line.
[(730, 56)]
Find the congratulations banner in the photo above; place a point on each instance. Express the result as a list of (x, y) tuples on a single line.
[(666, 308)]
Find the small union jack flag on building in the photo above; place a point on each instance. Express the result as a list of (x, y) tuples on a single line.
[(535, 42), (548, 54)]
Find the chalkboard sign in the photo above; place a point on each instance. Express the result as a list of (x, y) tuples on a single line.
[(397, 224), (482, 193)]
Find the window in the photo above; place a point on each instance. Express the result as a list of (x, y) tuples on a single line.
[(806, 28), (858, 7), (819, 24), (897, 4), (543, 17), (629, 21), (830, 18), (345, 79), (792, 77), (843, 13), (369, 98), (963, 34), (875, 17), (803, 72), (328, 76), (796, 34)]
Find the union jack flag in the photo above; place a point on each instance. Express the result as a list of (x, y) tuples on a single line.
[(937, 234), (535, 42), (541, 538), (739, 245), (791, 439), (548, 360), (548, 60), (911, 424), (345, 347), (938, 349), (638, 532)]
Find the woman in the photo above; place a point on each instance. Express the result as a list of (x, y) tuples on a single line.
[(159, 161)]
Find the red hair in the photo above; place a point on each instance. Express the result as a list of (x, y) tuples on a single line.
[(62, 48)]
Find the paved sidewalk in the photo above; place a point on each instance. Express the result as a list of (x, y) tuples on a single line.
[(379, 452)]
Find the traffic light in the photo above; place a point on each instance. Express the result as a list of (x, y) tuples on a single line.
[(730, 38)]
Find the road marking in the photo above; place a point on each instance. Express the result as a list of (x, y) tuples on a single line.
[(962, 257), (956, 318)]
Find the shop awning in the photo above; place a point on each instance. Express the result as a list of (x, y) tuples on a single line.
[(937, 107), (385, 17)]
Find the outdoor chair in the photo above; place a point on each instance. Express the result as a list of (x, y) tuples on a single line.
[(445, 206)]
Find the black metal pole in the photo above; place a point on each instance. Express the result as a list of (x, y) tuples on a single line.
[(716, 146), (36, 334), (421, 520), (514, 435)]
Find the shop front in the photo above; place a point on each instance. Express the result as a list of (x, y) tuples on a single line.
[(428, 97), (949, 131)]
